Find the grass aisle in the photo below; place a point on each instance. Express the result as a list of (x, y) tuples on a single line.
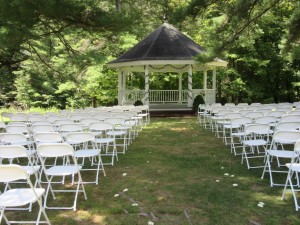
[(171, 172)]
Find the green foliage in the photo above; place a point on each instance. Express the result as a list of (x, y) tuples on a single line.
[(54, 53)]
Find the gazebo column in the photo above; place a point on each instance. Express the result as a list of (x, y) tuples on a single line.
[(120, 87), (146, 100), (190, 86), (124, 87), (180, 87), (205, 85), (214, 84)]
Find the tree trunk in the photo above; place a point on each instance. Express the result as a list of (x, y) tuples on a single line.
[(119, 5)]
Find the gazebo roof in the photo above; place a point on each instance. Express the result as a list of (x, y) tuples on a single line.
[(165, 49)]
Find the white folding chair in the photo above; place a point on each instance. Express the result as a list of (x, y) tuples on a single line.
[(77, 117), (64, 129), (119, 133), (6, 115), (12, 153), (270, 120), (253, 115), (85, 123), (17, 154), (37, 123), (105, 141), (85, 148), (237, 131), (47, 137), (225, 124), (68, 167), (19, 117), (287, 126), (17, 139), (256, 139), (293, 171), (18, 129), (290, 118), (281, 140), (42, 128), (19, 197), (145, 113)]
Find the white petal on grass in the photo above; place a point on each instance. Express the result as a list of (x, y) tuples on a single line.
[(260, 205), (150, 223), (222, 168), (217, 181), (124, 174), (125, 190), (147, 161), (226, 174), (235, 185), (135, 204), (232, 175), (116, 195)]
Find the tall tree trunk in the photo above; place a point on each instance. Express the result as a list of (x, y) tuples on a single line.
[(119, 5)]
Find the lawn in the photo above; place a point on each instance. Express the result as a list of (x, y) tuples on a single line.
[(174, 173)]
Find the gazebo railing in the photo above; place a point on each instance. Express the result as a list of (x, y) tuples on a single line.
[(166, 96)]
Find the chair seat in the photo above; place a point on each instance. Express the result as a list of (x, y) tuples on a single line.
[(233, 126), (31, 169), (295, 166), (104, 140), (258, 142), (282, 153), (19, 197), (116, 133), (238, 134), (86, 153), (62, 170)]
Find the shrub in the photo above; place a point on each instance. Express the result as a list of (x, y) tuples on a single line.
[(138, 102), (223, 100), (197, 101)]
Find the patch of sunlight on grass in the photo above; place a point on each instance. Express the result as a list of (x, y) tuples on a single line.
[(178, 129), (83, 215), (263, 197)]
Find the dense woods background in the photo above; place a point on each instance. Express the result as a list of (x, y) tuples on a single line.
[(53, 53)]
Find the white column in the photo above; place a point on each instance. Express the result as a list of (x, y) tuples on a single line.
[(146, 100), (190, 87), (180, 87), (205, 85), (214, 85), (120, 87), (205, 80)]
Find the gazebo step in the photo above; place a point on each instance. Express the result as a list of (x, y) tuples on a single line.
[(169, 107)]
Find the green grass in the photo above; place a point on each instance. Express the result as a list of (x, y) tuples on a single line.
[(172, 168)]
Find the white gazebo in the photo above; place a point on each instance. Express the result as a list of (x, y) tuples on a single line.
[(165, 50)]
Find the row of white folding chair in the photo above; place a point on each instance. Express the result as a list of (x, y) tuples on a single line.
[(225, 122), (281, 148), (292, 175), (81, 139), (125, 130), (237, 129)]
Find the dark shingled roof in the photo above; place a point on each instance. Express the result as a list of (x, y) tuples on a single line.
[(165, 43)]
